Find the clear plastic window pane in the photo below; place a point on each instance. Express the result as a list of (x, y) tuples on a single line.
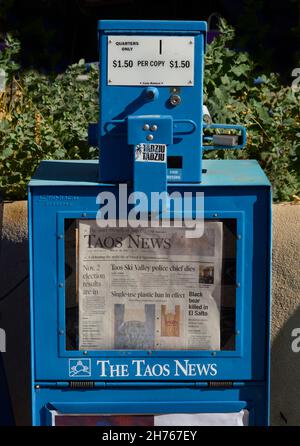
[(150, 288)]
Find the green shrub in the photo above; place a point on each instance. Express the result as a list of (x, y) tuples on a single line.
[(268, 110), (44, 117)]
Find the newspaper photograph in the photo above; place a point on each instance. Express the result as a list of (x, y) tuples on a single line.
[(149, 288)]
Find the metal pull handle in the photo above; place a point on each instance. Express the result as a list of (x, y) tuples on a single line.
[(240, 145), (189, 126)]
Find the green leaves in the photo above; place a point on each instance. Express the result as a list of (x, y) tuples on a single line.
[(271, 112), (59, 153), (10, 49), (240, 70), (47, 118), (6, 153)]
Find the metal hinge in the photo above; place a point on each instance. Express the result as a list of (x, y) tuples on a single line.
[(220, 384), (69, 384), (139, 384), (81, 384), (92, 384)]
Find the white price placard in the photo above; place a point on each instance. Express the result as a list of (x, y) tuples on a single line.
[(150, 60)]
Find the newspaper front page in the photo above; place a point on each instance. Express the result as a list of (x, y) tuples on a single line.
[(149, 288)]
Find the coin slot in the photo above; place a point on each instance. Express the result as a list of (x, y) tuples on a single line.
[(174, 162)]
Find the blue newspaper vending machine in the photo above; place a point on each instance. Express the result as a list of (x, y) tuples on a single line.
[(150, 270)]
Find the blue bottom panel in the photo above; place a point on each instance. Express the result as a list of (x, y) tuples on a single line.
[(149, 400)]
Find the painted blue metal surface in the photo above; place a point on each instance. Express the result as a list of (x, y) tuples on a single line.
[(84, 173), (136, 134), (235, 192), (119, 102), (152, 400), (147, 25), (248, 202), (149, 176)]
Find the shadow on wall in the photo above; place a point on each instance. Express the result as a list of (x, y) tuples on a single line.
[(285, 364), (285, 376), (14, 314), (6, 415)]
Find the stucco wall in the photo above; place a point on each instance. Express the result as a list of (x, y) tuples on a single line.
[(285, 365)]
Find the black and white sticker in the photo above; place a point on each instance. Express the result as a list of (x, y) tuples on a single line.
[(156, 153)]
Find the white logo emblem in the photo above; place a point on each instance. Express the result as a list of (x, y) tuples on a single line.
[(79, 368)]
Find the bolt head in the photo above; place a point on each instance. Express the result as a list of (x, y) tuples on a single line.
[(150, 137), (175, 99), (146, 127), (153, 128)]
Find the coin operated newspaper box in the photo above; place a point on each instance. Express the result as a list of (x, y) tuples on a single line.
[(150, 270)]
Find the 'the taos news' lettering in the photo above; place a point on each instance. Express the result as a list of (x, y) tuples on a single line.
[(140, 368)]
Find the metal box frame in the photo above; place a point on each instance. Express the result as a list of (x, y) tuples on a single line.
[(232, 189)]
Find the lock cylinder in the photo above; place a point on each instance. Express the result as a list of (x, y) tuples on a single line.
[(151, 93)]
